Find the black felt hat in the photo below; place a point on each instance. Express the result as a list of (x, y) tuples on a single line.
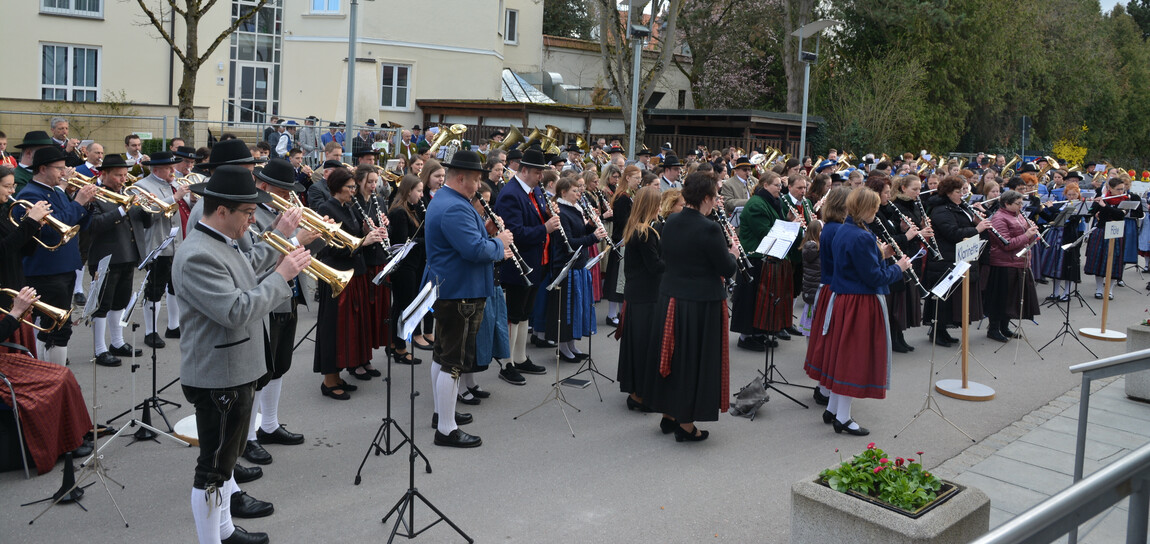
[(671, 161), (162, 158), (514, 155), (187, 152), (280, 173), (233, 183), (35, 138), (47, 155), (533, 158), (113, 161), (743, 162), (467, 160), (233, 151)]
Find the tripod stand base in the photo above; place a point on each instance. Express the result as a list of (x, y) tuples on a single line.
[(1106, 336), (973, 391)]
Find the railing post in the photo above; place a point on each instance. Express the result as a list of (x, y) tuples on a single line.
[(1138, 510), (1080, 440)]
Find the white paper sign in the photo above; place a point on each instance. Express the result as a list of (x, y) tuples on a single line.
[(951, 278), (968, 249), (1115, 229), (1139, 187)]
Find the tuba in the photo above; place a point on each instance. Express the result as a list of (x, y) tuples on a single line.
[(65, 231), (1008, 170), (513, 138), (533, 137), (58, 316), (336, 279), (551, 137), (454, 132)]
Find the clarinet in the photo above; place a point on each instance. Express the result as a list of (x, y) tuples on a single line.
[(926, 221), (992, 230), (744, 263), (935, 252), (885, 235), (1042, 239), (379, 217), (516, 258), (553, 207), (791, 209), (589, 213)]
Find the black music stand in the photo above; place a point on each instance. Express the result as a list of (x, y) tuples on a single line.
[(1065, 328), (588, 364), (770, 373), (381, 444), (413, 314)]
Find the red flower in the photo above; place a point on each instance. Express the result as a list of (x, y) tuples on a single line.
[(910, 459), (836, 450), (884, 460), (920, 453), (878, 469), (898, 461), (871, 446)]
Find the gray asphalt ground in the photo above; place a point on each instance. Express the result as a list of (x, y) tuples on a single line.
[(618, 480)]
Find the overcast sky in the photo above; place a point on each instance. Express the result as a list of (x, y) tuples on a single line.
[(1108, 5)]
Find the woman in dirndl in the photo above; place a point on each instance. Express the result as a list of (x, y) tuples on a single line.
[(857, 353), (570, 312), (906, 191), (692, 382), (643, 267), (888, 224), (1009, 288), (763, 303), (834, 212), (341, 340), (1064, 266), (376, 320), (621, 210), (1105, 210)]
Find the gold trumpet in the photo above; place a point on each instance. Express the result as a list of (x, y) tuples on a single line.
[(65, 230), (79, 181), (331, 233), (150, 202), (315, 270), (58, 316), (190, 179)]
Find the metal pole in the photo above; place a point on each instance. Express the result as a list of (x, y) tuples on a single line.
[(1137, 511), (637, 52), (806, 90), (351, 37)]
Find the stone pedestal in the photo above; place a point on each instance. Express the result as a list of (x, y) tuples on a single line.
[(820, 515), (1138, 383)]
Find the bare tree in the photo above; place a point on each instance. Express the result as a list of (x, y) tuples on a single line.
[(615, 46), (192, 11)]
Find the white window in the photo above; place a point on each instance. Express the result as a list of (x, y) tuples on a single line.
[(395, 91), (70, 73), (325, 6), (511, 27), (78, 8)]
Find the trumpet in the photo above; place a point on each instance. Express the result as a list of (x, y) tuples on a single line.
[(516, 258), (150, 202), (190, 179), (331, 233), (66, 232), (336, 279), (58, 316), (79, 181)]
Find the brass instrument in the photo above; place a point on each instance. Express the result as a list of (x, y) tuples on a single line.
[(130, 179), (390, 177), (150, 202), (517, 259), (190, 179), (331, 233), (583, 145), (759, 161), (1009, 167), (58, 316), (336, 279), (445, 135), (551, 138), (79, 181), (535, 135), (65, 231), (1051, 164), (513, 138)]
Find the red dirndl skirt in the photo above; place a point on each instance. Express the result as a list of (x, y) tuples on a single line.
[(25, 336), (775, 302), (353, 347), (856, 358), (53, 415), (379, 310), (596, 274), (816, 342)]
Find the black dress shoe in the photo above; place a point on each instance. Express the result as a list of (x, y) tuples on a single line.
[(172, 333), (405, 358), (840, 427), (783, 335), (751, 343), (668, 426), (511, 376), (467, 398), (696, 435), (613, 321), (457, 439), (543, 342), (374, 372), (793, 331), (359, 373), (279, 436), (994, 334), (460, 419), (828, 417), (244, 474), (240, 536), (898, 348), (78, 299), (84, 450), (820, 398), (479, 393), (256, 453), (107, 359), (1007, 332), (567, 359), (154, 341), (633, 404), (527, 367), (247, 507), (126, 350)]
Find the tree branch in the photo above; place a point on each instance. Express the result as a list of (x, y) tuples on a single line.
[(236, 24), (158, 25), (176, 8)]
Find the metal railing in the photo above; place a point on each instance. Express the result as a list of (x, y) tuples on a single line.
[(108, 130), (1077, 504)]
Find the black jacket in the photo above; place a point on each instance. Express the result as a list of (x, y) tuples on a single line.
[(696, 257)]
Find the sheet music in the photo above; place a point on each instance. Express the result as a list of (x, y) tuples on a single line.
[(779, 240), (413, 314)]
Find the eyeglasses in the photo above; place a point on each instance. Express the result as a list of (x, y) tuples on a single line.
[(249, 212)]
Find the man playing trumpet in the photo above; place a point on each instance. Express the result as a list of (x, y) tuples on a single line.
[(159, 184)]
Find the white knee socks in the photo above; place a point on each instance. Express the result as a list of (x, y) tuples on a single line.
[(206, 513), (269, 401), (436, 369), (447, 387), (149, 317), (115, 329), (99, 327), (468, 380), (513, 338), (255, 411), (226, 527), (79, 286), (613, 309), (173, 312), (842, 410), (519, 348)]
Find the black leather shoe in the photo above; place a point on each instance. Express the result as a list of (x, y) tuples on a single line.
[(567, 359), (84, 450), (247, 507), (840, 427), (460, 419), (247, 474), (994, 334), (107, 359), (633, 404), (78, 299), (820, 398), (793, 331), (897, 347), (125, 350), (279, 436), (828, 417), (696, 434), (613, 321), (457, 439), (668, 426), (172, 333), (467, 398), (479, 393), (154, 341), (542, 342), (511, 376), (750, 343), (1007, 332), (240, 536), (783, 335), (527, 367), (256, 453)]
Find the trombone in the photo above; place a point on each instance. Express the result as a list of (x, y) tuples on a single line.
[(150, 202), (66, 232), (58, 316), (331, 233), (315, 270)]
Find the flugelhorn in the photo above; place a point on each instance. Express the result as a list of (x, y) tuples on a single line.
[(150, 202), (79, 181), (65, 231), (336, 279), (58, 316), (190, 179), (331, 233)]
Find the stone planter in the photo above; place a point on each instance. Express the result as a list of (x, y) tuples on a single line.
[(1138, 383), (820, 515)]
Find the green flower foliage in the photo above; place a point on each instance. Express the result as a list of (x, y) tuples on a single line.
[(899, 482)]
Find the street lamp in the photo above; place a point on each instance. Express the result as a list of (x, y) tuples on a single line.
[(638, 33), (808, 58)]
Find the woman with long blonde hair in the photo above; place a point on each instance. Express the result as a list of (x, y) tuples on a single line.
[(643, 268)]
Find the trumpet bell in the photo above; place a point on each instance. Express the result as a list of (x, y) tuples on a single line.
[(151, 203), (64, 230), (58, 316), (316, 270)]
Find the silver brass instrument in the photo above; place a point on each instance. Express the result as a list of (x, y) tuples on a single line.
[(66, 232), (58, 316), (516, 258), (336, 279)]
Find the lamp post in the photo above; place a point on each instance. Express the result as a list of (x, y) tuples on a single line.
[(351, 37), (638, 33), (807, 58)]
